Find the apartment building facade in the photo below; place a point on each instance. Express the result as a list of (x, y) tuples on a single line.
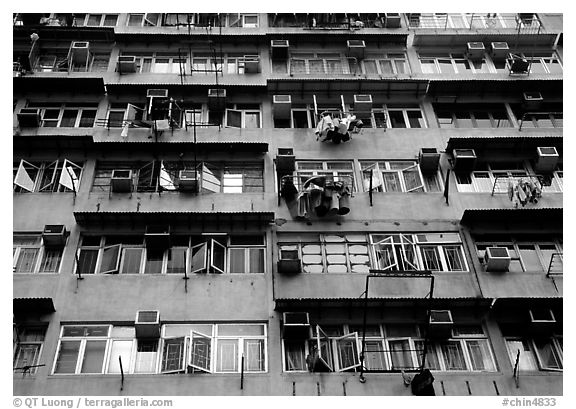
[(287, 204)]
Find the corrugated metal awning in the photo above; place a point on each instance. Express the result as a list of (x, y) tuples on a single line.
[(501, 219), (33, 304), (488, 146), (87, 84), (381, 86)]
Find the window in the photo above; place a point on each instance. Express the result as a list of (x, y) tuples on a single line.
[(472, 116), (317, 63), (341, 171), (235, 254), (243, 116), (490, 177), (61, 175), (81, 349), (543, 354), (28, 345), (143, 19), (397, 176), (542, 62), (527, 254), (405, 117), (163, 175), (421, 251), (383, 64), (451, 63), (80, 115), (159, 62), (104, 20)]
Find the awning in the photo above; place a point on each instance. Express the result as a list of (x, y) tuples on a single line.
[(459, 38), (307, 304), (187, 220), (456, 87), (177, 146), (524, 220), (383, 86), (497, 146), (331, 36), (32, 304), (76, 84), (25, 140), (61, 33)]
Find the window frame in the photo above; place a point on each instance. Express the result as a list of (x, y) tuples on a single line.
[(243, 114), (435, 58), (40, 255), (533, 351), (81, 349), (18, 344)]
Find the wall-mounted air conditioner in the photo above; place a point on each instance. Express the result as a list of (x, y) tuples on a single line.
[(279, 49), (363, 103), (121, 181), (532, 100), (126, 64), (295, 325), (29, 118), (464, 159), (251, 64), (54, 235), (499, 50), (188, 180), (547, 159), (428, 159), (475, 50), (147, 324), (392, 20), (282, 106), (497, 259), (156, 93), (285, 161), (356, 48), (79, 51), (542, 321), (157, 237), (440, 324), (289, 261), (217, 99)]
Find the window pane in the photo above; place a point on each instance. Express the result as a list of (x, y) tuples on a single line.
[(176, 261), (463, 120), (454, 258), (294, 354), (131, 260), (431, 356), (26, 355), (154, 260), (370, 67), (415, 119), (234, 119), (347, 352), (453, 356), (391, 182), (119, 349), (252, 120), (67, 357), (482, 119), (51, 261), (400, 355), (431, 258), (201, 351), (254, 355), (227, 355), (256, 261), (146, 356), (237, 260), (87, 119), (527, 361), (397, 119), (446, 66), (529, 257), (173, 355), (26, 260), (240, 329), (69, 118), (94, 19), (93, 357), (110, 20), (548, 355), (374, 356), (480, 355)]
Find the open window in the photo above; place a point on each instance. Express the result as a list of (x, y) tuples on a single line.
[(408, 250), (200, 352), (70, 175), (210, 182), (111, 259), (49, 177), (323, 351), (147, 177), (198, 258), (173, 355), (385, 254), (348, 354), (412, 179), (217, 257), (26, 176)]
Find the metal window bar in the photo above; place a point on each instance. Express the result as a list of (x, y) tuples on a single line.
[(404, 274), (553, 268), (473, 21), (420, 355), (527, 116), (501, 182)]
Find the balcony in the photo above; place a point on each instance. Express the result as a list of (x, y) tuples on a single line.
[(523, 23)]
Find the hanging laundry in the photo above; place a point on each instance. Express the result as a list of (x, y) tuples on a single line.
[(288, 191), (324, 125), (510, 189), (303, 211)]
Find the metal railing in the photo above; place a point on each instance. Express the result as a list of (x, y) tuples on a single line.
[(339, 22), (556, 265), (555, 118), (527, 23), (501, 183)]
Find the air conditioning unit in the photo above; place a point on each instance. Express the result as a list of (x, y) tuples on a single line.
[(497, 259), (464, 159), (499, 50), (282, 106), (54, 235), (285, 161), (440, 324), (542, 321), (356, 48), (29, 118), (363, 103), (147, 324), (121, 181), (156, 93), (475, 50), (279, 49), (295, 325), (79, 51), (532, 100), (217, 99), (547, 159), (126, 64), (518, 65), (157, 237), (429, 159), (188, 180), (392, 20), (251, 64)]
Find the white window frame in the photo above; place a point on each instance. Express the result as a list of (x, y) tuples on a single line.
[(39, 256), (392, 58), (344, 174), (144, 22), (404, 111), (81, 351), (534, 353), (243, 113), (515, 245), (324, 57), (17, 349), (378, 173), (63, 107), (453, 57), (84, 23), (216, 338), (476, 186)]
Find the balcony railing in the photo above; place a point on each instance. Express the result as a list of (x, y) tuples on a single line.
[(556, 265), (542, 119), (327, 21), (320, 66), (524, 23)]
